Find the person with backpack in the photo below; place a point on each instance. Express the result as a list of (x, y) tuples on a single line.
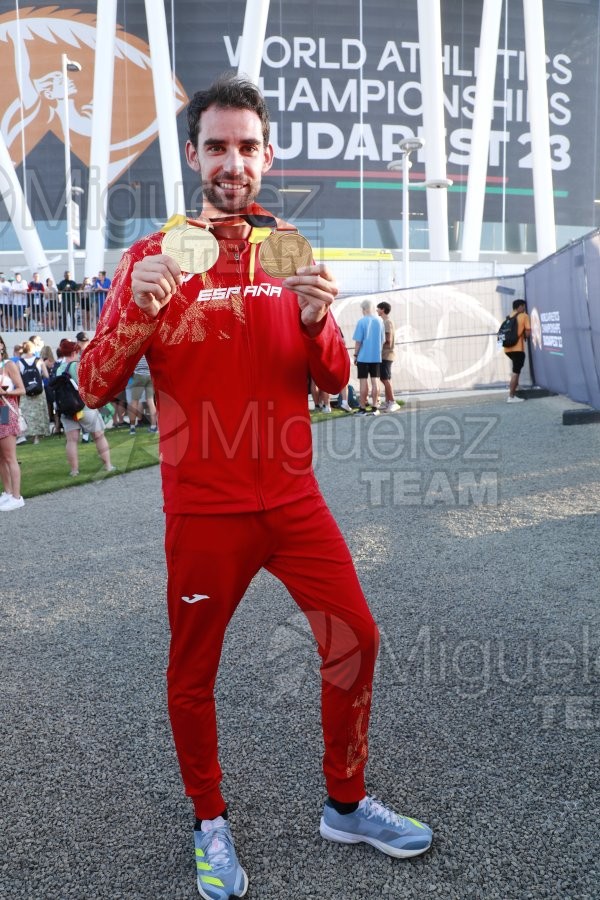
[(75, 416), (515, 329), (33, 403)]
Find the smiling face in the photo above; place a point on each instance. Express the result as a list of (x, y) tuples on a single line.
[(231, 158)]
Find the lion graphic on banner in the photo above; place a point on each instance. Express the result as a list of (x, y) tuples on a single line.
[(32, 102)]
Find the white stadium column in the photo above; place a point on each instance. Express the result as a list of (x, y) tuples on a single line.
[(253, 38), (482, 124), (20, 215), (164, 95), (430, 49), (535, 54), (104, 68)]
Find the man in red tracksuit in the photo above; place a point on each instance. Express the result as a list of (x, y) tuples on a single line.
[(229, 352)]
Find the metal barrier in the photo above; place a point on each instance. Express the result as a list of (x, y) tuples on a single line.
[(51, 310)]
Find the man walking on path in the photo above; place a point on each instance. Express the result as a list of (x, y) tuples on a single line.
[(516, 353), (239, 490)]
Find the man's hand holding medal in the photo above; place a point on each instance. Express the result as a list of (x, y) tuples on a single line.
[(189, 248)]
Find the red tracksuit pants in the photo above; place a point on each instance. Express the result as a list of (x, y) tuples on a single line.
[(215, 557)]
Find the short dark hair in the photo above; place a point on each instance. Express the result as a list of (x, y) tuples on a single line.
[(518, 303), (385, 307), (229, 91)]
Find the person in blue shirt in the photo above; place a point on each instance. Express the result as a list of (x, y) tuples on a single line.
[(368, 338), (100, 285)]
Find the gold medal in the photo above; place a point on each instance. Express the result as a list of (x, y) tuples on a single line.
[(283, 253), (195, 249)]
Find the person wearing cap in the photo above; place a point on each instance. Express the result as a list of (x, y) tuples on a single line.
[(90, 422), (82, 340)]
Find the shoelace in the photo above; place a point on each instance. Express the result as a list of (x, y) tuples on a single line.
[(373, 808), (218, 849)]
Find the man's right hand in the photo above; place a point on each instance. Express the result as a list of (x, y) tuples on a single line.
[(154, 280)]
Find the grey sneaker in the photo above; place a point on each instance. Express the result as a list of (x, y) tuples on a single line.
[(375, 824), (219, 873)]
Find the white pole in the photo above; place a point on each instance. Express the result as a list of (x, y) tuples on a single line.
[(253, 38), (164, 96), (430, 49), (482, 125), (104, 68), (20, 215), (68, 179), (543, 196), (405, 222)]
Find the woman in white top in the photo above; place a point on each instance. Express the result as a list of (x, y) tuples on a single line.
[(11, 388), (19, 300)]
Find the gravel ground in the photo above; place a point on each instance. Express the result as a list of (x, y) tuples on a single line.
[(475, 533)]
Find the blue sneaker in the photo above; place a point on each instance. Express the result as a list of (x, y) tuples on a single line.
[(219, 873), (379, 826)]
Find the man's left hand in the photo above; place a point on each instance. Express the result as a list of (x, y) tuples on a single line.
[(316, 289)]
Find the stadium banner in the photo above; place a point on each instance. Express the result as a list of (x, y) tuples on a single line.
[(562, 298), (343, 89)]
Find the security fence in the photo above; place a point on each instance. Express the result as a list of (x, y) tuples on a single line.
[(51, 310), (446, 334)]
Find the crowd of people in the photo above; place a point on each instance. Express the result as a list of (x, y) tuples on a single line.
[(29, 412), (41, 306), (29, 409)]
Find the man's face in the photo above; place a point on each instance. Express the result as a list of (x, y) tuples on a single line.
[(230, 156), (36, 277)]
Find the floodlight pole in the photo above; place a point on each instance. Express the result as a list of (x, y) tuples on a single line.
[(68, 66)]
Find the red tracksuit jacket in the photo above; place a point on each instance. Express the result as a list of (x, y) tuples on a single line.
[(229, 359)]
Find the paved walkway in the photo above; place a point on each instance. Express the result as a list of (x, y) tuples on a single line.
[(475, 533)]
